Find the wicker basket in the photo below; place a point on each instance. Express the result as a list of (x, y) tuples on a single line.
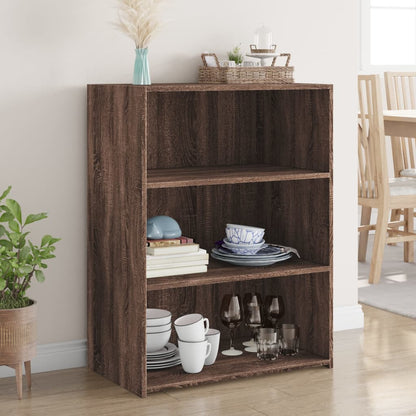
[(248, 75)]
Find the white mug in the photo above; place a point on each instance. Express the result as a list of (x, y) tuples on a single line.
[(193, 355), (213, 338), (192, 327)]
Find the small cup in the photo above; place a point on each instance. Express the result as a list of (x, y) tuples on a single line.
[(193, 355), (267, 344), (213, 337), (192, 327), (289, 338)]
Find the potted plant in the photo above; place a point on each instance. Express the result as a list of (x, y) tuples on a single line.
[(236, 55), (20, 261)]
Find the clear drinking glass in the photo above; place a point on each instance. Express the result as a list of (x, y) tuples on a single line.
[(253, 318), (289, 338), (267, 344)]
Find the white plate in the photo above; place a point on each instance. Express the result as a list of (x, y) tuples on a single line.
[(168, 350), (251, 262), (266, 252), (164, 360), (161, 367)]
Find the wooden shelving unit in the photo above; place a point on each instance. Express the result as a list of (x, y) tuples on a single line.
[(206, 155)]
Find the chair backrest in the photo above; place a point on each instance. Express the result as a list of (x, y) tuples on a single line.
[(372, 159), (401, 95)]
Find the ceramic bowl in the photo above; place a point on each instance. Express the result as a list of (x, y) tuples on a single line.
[(244, 234), (156, 341), (244, 249), (157, 317), (158, 328)]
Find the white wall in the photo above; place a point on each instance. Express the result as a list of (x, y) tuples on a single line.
[(50, 50)]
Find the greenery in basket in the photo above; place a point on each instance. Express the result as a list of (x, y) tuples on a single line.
[(20, 259), (236, 55)]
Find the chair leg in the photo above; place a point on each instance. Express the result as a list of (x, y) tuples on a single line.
[(409, 256), (28, 372), (395, 216), (379, 243), (363, 240)]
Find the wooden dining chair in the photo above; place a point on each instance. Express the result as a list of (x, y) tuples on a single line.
[(401, 95), (375, 189)]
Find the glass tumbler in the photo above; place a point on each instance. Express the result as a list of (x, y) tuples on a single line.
[(267, 344), (289, 337)]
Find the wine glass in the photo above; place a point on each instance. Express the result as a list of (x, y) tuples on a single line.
[(231, 317), (253, 318), (274, 308)]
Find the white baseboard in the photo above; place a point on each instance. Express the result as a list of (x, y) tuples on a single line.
[(57, 356), (73, 354), (348, 317)]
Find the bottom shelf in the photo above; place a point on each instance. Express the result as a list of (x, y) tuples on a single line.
[(228, 368)]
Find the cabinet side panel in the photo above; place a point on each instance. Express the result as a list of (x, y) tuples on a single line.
[(116, 234)]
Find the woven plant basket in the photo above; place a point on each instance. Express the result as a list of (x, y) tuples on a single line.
[(18, 334), (248, 75)]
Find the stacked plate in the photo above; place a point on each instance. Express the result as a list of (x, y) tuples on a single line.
[(244, 246), (167, 357), (267, 255), (160, 353)]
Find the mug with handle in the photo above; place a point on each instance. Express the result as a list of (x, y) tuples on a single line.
[(191, 327), (193, 355)]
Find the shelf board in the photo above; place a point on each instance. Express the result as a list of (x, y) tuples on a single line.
[(220, 272), (227, 368), (219, 175)]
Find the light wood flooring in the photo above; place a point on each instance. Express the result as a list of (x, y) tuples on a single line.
[(374, 374)]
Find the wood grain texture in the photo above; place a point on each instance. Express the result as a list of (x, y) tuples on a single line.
[(206, 155), (116, 231), (226, 368), (174, 178), (219, 272)]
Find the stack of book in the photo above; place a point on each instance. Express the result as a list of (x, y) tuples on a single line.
[(171, 257)]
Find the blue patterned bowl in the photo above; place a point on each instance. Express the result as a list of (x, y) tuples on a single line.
[(244, 249), (244, 234)]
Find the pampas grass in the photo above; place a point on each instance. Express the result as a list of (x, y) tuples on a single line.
[(138, 20)]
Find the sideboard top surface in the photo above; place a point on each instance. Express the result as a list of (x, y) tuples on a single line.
[(178, 87)]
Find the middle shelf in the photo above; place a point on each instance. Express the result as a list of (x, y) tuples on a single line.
[(219, 273), (218, 175)]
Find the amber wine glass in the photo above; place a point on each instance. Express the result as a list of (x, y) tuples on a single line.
[(231, 317)]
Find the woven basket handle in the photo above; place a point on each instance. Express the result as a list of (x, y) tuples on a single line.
[(212, 57), (282, 54)]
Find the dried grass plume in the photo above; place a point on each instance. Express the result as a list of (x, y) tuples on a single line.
[(138, 19)]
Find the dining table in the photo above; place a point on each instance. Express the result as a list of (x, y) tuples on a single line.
[(400, 123)]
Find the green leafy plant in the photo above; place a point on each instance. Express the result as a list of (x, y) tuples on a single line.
[(236, 55), (20, 259)]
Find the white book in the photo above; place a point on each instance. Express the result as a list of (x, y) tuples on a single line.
[(201, 254), (174, 271), (181, 264), (165, 251)]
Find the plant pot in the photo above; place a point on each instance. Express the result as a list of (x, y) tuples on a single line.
[(18, 340)]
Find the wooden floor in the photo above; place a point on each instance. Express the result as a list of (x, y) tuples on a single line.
[(374, 374)]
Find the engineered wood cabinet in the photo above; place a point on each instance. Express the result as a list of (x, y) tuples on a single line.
[(206, 155)]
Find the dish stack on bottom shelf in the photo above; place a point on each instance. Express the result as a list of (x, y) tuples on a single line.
[(172, 260), (160, 353)]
